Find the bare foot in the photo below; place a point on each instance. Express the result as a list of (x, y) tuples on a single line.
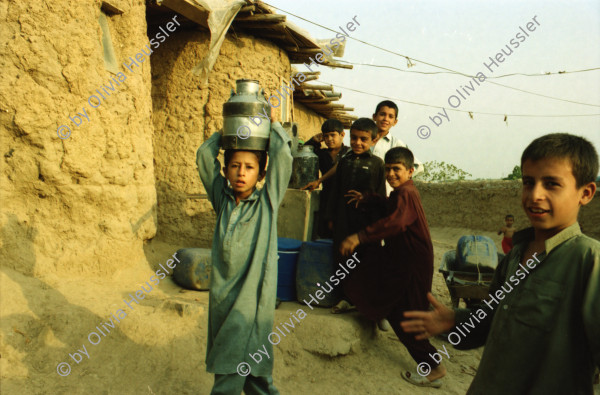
[(437, 373)]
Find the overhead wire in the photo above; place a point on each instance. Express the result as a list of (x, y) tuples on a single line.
[(463, 111), (408, 58), (449, 72)]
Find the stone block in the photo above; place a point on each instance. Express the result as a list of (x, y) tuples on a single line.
[(297, 214)]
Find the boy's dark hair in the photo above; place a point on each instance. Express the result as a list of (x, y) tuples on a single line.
[(365, 125), (509, 216), (400, 155), (387, 103), (332, 125), (260, 155), (581, 153)]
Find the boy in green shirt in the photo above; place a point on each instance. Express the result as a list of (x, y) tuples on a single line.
[(541, 322), (244, 260)]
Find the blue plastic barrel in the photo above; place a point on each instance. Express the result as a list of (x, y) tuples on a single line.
[(288, 251), (316, 266)]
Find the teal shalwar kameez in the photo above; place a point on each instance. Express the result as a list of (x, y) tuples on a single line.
[(244, 267)]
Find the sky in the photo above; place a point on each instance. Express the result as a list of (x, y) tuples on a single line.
[(461, 36)]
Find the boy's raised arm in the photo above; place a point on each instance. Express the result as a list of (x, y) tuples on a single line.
[(280, 164), (478, 335), (209, 169), (315, 184), (315, 141), (398, 221), (427, 324)]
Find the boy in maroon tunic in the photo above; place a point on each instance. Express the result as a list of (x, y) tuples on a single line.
[(397, 277)]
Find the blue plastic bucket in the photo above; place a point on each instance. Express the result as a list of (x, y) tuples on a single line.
[(288, 251)]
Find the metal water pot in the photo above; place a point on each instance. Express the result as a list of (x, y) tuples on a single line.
[(305, 167), (243, 127)]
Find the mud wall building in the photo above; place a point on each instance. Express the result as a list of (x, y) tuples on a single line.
[(99, 144), (73, 206)]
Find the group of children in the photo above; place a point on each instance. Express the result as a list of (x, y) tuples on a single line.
[(544, 336), (390, 235)]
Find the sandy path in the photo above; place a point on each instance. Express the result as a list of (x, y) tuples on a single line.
[(158, 348)]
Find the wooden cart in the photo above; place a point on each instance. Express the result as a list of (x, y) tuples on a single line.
[(472, 286)]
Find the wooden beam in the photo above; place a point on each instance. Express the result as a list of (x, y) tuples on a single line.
[(316, 100), (261, 18), (328, 106), (311, 78), (259, 26), (189, 9), (339, 65), (290, 36), (296, 50), (317, 87), (247, 8), (274, 35), (310, 94), (110, 9)]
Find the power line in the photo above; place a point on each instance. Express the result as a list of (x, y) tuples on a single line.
[(448, 72), (463, 111), (436, 66)]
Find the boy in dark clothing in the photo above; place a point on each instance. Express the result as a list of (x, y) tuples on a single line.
[(541, 322), (358, 170), (396, 277), (332, 133)]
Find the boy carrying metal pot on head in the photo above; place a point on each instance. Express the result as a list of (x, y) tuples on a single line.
[(244, 258)]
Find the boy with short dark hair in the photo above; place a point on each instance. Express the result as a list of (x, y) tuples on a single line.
[(358, 170), (386, 117), (332, 133), (244, 258), (396, 277), (508, 231), (541, 324)]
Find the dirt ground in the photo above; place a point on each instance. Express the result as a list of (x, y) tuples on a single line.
[(159, 346)]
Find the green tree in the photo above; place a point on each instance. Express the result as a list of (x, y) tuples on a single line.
[(515, 175), (441, 171)]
